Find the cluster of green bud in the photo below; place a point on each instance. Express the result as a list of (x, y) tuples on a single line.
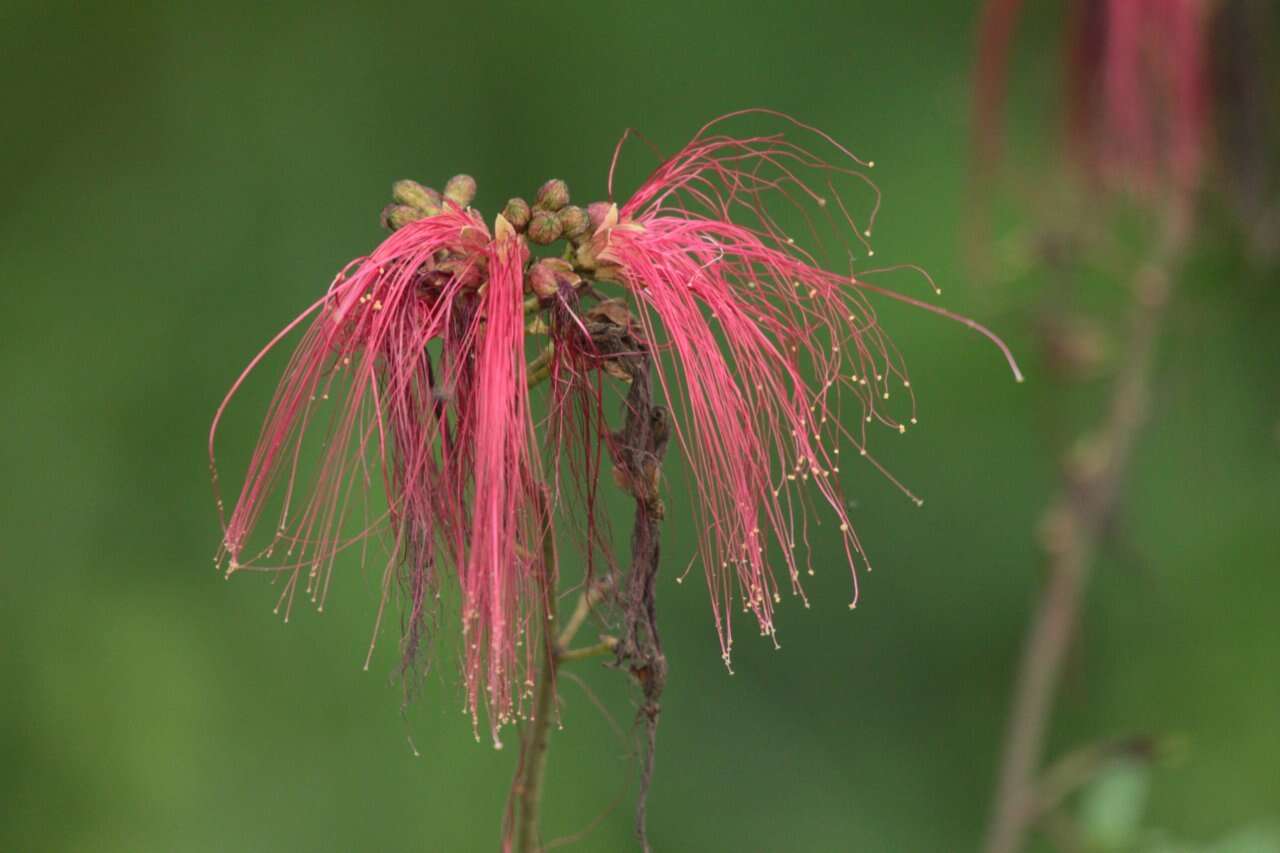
[(551, 217), (413, 201)]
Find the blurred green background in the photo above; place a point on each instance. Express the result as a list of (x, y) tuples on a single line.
[(181, 179)]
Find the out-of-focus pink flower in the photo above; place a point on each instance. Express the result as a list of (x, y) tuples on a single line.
[(772, 363), (1141, 112), (1138, 83)]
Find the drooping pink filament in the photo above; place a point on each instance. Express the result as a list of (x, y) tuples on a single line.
[(503, 576), (769, 358), (411, 371)]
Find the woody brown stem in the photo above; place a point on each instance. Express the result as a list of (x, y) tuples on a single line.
[(637, 450), (1072, 528)]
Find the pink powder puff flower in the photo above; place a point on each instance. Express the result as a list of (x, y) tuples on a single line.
[(411, 371), (769, 357), (414, 363)]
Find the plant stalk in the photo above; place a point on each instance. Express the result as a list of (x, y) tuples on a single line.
[(1073, 527), (533, 766)]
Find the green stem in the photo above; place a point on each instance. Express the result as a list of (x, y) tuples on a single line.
[(1074, 526), (604, 647), (587, 600), (540, 368), (555, 651)]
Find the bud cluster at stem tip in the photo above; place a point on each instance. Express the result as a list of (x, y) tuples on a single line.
[(551, 217), (413, 201)]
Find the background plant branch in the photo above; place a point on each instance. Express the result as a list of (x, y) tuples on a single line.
[(1072, 527)]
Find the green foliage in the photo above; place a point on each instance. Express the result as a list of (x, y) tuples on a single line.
[(1112, 807)]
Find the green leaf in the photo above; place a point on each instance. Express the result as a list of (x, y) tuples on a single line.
[(1111, 808)]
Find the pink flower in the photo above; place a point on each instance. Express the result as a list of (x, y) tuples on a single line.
[(414, 364), (411, 371), (774, 364), (1137, 87)]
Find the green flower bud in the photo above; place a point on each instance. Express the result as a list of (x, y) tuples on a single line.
[(517, 213), (396, 216), (416, 195), (573, 221), (544, 227), (460, 190), (552, 195)]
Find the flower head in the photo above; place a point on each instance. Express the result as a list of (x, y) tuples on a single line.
[(774, 363), (413, 370), (410, 371)]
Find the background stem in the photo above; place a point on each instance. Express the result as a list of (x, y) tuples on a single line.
[(1073, 526)]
